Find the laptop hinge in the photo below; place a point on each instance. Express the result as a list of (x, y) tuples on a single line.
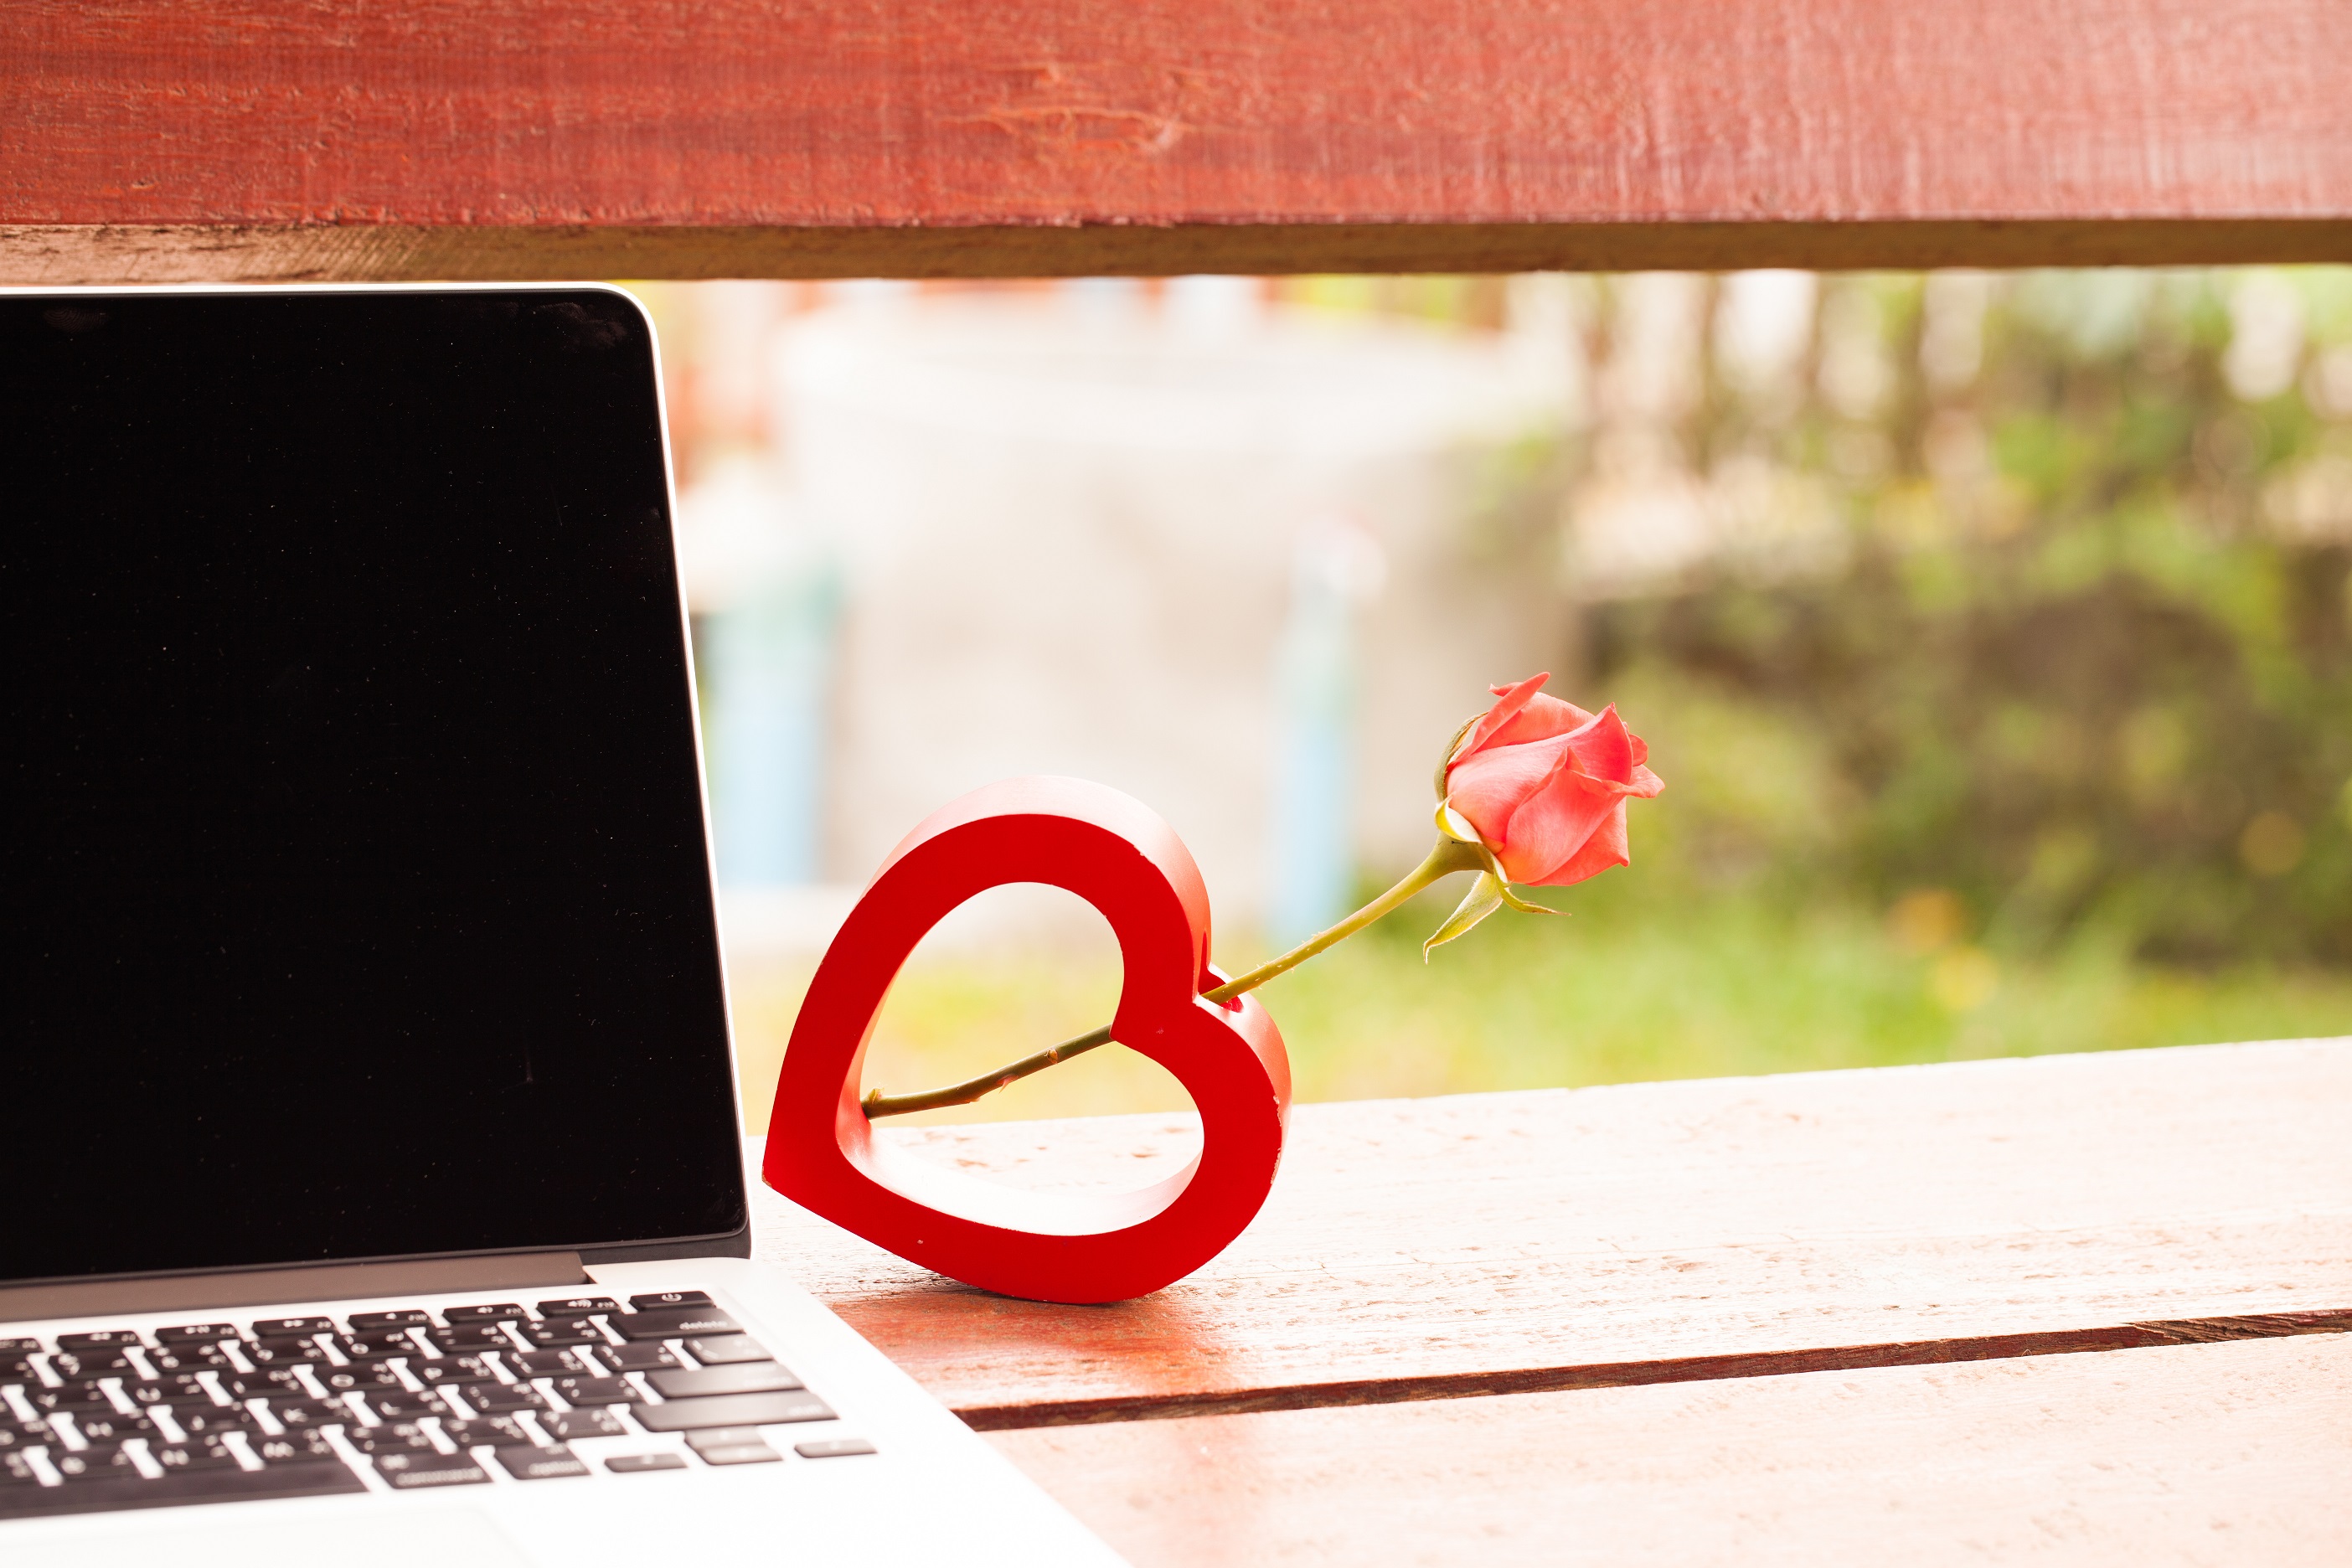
[(325, 1282)]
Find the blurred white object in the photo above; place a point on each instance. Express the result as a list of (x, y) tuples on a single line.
[(1763, 330), (1857, 369), (735, 533), (1652, 373), (1951, 331), (2266, 328), (1068, 526)]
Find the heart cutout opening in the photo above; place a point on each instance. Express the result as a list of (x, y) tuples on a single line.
[(1009, 971)]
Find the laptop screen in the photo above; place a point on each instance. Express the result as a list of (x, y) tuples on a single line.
[(353, 894)]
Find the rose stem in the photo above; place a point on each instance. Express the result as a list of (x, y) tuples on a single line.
[(1447, 859)]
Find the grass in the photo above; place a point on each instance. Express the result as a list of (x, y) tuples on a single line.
[(1639, 985)]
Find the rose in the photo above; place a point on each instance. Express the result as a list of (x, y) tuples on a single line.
[(1543, 784)]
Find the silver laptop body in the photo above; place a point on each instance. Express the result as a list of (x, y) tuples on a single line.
[(375, 1193)]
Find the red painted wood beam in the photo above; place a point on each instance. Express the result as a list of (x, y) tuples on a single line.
[(690, 137)]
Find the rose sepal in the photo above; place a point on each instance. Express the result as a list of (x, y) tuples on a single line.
[(1486, 896), (1453, 825)]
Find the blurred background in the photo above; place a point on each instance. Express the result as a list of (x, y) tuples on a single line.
[(1992, 633)]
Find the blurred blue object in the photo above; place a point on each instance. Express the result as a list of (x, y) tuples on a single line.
[(1313, 846), (770, 658)]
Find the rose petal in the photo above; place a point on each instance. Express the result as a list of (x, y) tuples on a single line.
[(1509, 700), (1605, 848), (1551, 828), (1603, 749), (1540, 720), (1487, 788)]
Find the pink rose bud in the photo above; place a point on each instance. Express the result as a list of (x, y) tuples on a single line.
[(1544, 786)]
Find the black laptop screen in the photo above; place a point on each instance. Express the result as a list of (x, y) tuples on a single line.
[(353, 898)]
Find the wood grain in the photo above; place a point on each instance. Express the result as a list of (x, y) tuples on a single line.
[(2212, 1455), (471, 138), (1477, 1243)]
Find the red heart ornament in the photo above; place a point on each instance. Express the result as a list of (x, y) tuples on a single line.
[(1118, 855)]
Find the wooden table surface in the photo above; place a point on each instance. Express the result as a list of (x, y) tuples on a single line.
[(1701, 1321)]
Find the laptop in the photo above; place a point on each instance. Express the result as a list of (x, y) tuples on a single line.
[(375, 1192)]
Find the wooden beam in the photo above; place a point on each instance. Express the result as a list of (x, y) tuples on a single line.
[(1468, 1244), (379, 138), (2206, 1453)]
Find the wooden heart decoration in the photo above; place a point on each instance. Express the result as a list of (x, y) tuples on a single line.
[(1118, 855)]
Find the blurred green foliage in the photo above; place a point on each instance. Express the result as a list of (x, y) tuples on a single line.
[(2081, 668)]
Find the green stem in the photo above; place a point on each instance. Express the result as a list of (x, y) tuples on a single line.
[(1447, 859)]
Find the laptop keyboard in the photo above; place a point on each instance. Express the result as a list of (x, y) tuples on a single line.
[(398, 1399)]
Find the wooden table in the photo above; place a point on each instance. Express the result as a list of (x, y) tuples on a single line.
[(2070, 1308)]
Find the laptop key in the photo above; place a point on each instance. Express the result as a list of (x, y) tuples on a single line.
[(495, 1312), (570, 1426), (98, 1426), (179, 1388), (294, 1447), (641, 1464), (188, 1358), (269, 1382), (636, 1358), (494, 1398), (594, 1390), (375, 1347), (731, 1445), (725, 1348), (485, 1430), (418, 1472), (175, 1458), (195, 1333), (212, 1420), (558, 1333), (99, 1462), (672, 1323), (525, 1463), (360, 1375), (731, 1410), (660, 1300), (395, 1318), (466, 1337), (282, 1328), (100, 1339), (746, 1377), (448, 1370), (80, 1365), (546, 1363), (578, 1307), (392, 1437), (403, 1405), (284, 1350), (71, 1397), (306, 1415), (833, 1449)]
